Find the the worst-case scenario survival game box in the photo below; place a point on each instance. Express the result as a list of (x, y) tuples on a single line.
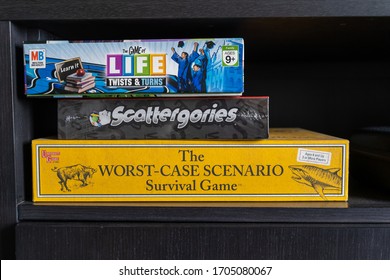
[(164, 118), (132, 68), (292, 165)]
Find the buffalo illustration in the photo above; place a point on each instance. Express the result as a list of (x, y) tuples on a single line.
[(75, 172)]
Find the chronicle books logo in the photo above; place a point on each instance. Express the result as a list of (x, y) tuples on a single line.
[(156, 115), (50, 157)]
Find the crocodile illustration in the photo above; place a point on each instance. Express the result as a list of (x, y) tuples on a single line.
[(318, 178)]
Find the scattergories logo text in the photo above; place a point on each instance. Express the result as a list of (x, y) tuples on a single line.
[(156, 114)]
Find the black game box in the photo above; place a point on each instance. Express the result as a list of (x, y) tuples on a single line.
[(166, 118)]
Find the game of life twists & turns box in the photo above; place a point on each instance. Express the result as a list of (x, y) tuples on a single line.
[(164, 118), (132, 68), (292, 165)]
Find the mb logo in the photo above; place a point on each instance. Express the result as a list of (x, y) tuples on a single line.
[(38, 58)]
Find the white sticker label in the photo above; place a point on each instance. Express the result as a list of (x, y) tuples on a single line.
[(315, 157)]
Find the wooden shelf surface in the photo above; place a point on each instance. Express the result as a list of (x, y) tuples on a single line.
[(137, 9), (357, 210)]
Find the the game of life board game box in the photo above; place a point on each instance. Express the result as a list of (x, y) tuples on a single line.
[(133, 68), (164, 118), (292, 165)]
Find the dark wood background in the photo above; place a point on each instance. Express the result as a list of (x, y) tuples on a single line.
[(324, 64), (136, 9)]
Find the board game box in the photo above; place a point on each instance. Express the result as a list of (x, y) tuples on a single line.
[(292, 165), (134, 68), (164, 118)]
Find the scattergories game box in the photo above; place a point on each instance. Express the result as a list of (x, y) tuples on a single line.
[(292, 165), (164, 118), (133, 68)]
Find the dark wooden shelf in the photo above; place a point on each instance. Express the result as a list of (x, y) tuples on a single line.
[(325, 65), (119, 9), (222, 241), (357, 210)]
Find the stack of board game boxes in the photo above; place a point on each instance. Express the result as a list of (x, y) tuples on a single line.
[(165, 120)]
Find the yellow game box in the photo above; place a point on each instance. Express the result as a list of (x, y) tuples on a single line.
[(292, 165)]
